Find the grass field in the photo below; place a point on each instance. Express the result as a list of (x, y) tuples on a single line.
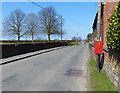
[(99, 81), (15, 42), (73, 44), (6, 43), (35, 41)]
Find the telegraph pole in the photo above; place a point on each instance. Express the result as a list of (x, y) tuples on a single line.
[(77, 37), (61, 26)]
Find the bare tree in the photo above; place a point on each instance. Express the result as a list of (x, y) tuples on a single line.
[(32, 25), (76, 38), (14, 24), (49, 21)]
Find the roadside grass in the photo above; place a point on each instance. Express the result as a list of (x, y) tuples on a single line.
[(73, 43), (35, 41), (99, 81), (6, 43)]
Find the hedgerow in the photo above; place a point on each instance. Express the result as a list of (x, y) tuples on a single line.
[(113, 33)]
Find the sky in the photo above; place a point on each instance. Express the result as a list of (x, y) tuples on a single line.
[(78, 16)]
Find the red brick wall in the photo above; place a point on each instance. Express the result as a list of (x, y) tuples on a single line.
[(108, 10), (109, 66)]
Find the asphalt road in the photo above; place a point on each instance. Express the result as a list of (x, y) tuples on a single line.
[(59, 70)]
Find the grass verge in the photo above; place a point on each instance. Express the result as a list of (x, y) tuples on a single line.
[(6, 43), (73, 43), (99, 81)]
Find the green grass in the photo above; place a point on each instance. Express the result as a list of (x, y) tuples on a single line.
[(6, 43), (30, 41), (12, 42), (99, 81), (73, 43)]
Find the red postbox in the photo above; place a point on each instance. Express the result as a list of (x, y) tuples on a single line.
[(98, 49)]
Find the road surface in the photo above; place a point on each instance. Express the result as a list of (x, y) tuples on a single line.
[(59, 70)]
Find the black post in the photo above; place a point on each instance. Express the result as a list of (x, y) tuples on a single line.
[(99, 62)]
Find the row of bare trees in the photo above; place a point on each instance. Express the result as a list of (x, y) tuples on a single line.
[(19, 24)]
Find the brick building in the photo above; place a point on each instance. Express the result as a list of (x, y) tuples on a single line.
[(107, 9)]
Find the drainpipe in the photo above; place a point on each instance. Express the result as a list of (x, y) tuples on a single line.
[(98, 34), (99, 20)]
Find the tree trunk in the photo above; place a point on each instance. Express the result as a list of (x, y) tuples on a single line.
[(18, 37), (32, 37), (18, 34), (49, 37)]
